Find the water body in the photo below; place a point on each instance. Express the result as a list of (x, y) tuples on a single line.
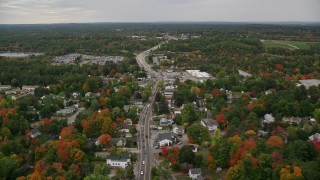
[(20, 54)]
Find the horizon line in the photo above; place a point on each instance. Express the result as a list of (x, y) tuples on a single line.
[(172, 22)]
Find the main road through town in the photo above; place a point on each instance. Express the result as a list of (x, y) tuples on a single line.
[(146, 158)]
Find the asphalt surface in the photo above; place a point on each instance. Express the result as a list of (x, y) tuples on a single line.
[(146, 157)]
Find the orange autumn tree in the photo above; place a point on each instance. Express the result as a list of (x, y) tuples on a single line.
[(99, 123), (287, 173), (275, 142), (211, 163)]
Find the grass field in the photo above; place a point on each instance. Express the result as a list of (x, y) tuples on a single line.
[(292, 45)]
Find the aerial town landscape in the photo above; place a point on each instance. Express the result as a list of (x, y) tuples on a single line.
[(159, 100)]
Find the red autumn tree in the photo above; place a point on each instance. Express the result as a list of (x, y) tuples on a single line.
[(173, 155), (279, 67), (47, 121), (221, 119), (105, 140), (164, 150), (250, 106)]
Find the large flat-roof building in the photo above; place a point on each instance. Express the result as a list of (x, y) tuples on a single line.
[(309, 82), (198, 74)]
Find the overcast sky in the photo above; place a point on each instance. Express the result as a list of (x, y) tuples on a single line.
[(74, 11)]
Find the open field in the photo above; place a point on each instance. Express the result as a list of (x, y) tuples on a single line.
[(292, 45)]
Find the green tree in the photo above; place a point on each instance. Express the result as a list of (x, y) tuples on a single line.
[(163, 106), (186, 155), (129, 172), (133, 130), (316, 114), (189, 115), (8, 167)]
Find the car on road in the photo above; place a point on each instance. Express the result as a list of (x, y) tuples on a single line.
[(144, 151), (143, 162), (141, 172)]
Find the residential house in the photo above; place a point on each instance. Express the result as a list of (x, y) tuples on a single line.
[(120, 160), (119, 142), (34, 133), (128, 121), (168, 95), (314, 137), (29, 88), (178, 129), (262, 133), (292, 120), (268, 118), (126, 129), (312, 121), (194, 173), (165, 139), (210, 124), (4, 87), (165, 122), (138, 102), (67, 111)]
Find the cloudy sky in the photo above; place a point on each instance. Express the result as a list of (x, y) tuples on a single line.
[(74, 11)]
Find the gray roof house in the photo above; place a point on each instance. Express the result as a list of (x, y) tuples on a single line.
[(194, 173), (120, 160), (119, 142), (165, 139)]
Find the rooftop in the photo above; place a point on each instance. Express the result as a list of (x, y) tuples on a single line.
[(119, 157), (310, 82), (195, 171), (245, 74), (163, 136)]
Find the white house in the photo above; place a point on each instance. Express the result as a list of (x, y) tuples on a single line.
[(268, 118), (194, 173), (120, 160), (165, 122), (178, 129), (210, 124), (165, 139)]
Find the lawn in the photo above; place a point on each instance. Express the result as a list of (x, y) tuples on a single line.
[(292, 45)]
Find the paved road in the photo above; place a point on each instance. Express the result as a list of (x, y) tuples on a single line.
[(146, 158), (73, 117)]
